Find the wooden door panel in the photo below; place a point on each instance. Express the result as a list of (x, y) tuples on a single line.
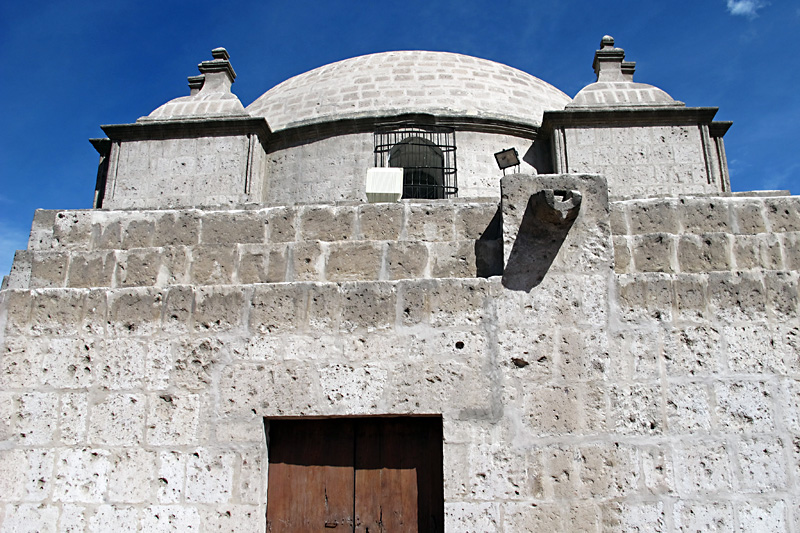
[(310, 481)]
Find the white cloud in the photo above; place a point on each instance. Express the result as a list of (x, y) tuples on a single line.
[(745, 8)]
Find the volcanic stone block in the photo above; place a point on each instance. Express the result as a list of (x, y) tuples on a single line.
[(704, 215), (429, 222), (637, 409), (73, 417), (57, 311), (745, 406), (783, 213), (69, 363), (219, 308), (704, 253), (135, 311), (324, 307), (608, 469), (253, 264), (195, 363), (762, 515), (353, 389), (73, 228), (474, 221), (688, 408), (81, 475), (406, 260), (139, 233), (282, 224), (139, 268), (173, 419), (353, 261), (618, 218), (737, 296), (213, 265), (466, 516), (553, 410), (757, 252), (37, 418), (233, 518), (453, 259), (368, 306), (693, 350), (703, 516), (653, 216), (225, 227), (181, 228), (48, 269), (327, 223), (130, 475), (622, 254), (654, 252), (749, 216), (783, 296), (93, 269), (702, 466), (114, 518), (170, 518), (117, 420), (381, 222), (761, 464)]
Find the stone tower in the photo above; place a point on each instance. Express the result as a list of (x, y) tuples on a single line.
[(601, 337)]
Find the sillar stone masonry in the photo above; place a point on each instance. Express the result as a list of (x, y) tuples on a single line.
[(601, 338)]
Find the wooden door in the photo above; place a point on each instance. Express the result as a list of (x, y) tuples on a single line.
[(361, 475)]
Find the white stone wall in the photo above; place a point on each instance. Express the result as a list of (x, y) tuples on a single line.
[(658, 391), (184, 172), (643, 161)]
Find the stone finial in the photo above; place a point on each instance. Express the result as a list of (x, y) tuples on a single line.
[(218, 72), (608, 61), (196, 83), (628, 67)]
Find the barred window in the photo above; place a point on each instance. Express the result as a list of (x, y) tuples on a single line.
[(427, 156)]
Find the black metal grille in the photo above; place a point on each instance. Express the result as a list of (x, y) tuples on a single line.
[(427, 156)]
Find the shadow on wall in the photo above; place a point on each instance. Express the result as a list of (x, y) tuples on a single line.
[(546, 222)]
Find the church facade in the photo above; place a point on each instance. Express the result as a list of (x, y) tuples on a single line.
[(600, 336)]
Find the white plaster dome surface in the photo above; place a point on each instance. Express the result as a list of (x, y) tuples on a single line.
[(395, 83)]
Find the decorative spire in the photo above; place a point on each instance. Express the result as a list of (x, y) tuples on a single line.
[(608, 62), (196, 83), (219, 64)]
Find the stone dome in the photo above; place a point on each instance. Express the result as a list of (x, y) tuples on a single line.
[(396, 83)]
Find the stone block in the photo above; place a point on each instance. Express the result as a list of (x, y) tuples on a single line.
[(177, 228), (277, 308), (634, 516), (73, 229), (737, 296), (618, 218), (253, 465), (749, 216), (41, 237), (368, 306), (688, 408), (95, 313), (475, 221), (453, 259), (704, 253), (406, 260), (552, 410), (761, 463), (21, 363), (430, 222), (702, 467), (636, 354), (518, 516), (350, 389), (138, 268), (438, 386), (164, 518), (81, 475), (622, 254), (381, 222), (92, 269), (31, 517), (791, 250), (526, 355), (56, 311), (654, 252), (20, 275), (693, 351), (653, 216), (238, 227), (253, 264), (196, 362), (48, 269), (178, 309), (107, 234), (637, 409), (608, 470), (783, 213), (582, 354), (70, 364), (257, 389), (213, 265), (751, 349), (643, 298), (472, 517), (745, 406), (130, 475), (767, 516), (280, 257), (458, 302), (233, 519), (173, 419), (219, 309), (282, 224), (171, 472), (118, 518), (138, 233), (73, 417), (757, 252), (414, 301), (117, 420), (704, 215), (327, 223), (324, 307), (27, 474), (353, 261), (713, 517), (36, 418), (135, 311)]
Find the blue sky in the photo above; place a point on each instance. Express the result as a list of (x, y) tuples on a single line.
[(71, 66)]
